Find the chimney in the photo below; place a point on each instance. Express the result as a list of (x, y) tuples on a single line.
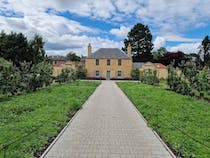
[(129, 49), (89, 50)]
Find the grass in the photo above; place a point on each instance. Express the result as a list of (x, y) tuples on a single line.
[(179, 120), (41, 114)]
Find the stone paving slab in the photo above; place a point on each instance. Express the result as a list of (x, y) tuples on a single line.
[(108, 126)]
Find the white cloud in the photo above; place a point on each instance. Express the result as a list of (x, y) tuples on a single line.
[(121, 32), (168, 20), (179, 38), (185, 47), (159, 42)]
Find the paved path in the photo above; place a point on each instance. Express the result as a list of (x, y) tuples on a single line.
[(108, 126)]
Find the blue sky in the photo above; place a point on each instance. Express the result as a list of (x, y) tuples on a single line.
[(69, 25)]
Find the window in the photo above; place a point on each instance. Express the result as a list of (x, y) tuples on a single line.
[(97, 74), (119, 73), (119, 62), (108, 62), (97, 61)]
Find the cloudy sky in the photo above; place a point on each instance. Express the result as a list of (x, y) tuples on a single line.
[(69, 25)]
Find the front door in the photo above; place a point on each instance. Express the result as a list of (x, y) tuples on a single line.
[(108, 75)]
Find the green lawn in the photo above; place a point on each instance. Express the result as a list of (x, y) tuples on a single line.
[(172, 114), (42, 114)]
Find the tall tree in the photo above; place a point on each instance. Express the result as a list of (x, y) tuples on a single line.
[(159, 53), (205, 51), (36, 50), (176, 57), (73, 57), (16, 48), (13, 47), (140, 39)]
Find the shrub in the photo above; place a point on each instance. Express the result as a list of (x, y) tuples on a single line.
[(190, 81), (149, 77), (67, 75), (9, 81), (81, 72), (135, 74), (25, 78)]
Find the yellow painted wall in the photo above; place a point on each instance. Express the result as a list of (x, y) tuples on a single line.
[(126, 67), (56, 70), (161, 72)]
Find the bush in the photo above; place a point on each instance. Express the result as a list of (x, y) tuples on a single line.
[(10, 81), (67, 75), (81, 72), (25, 78), (135, 74), (149, 77), (190, 81)]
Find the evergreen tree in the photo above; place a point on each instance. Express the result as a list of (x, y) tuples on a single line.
[(13, 47), (16, 48), (36, 50), (205, 51), (140, 39)]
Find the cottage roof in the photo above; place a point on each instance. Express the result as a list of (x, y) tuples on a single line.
[(160, 66), (58, 58), (109, 53), (138, 64)]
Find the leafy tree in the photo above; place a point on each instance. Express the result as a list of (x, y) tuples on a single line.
[(190, 81), (173, 78), (205, 51), (16, 48), (81, 72), (159, 53), (13, 47), (25, 78), (41, 75), (73, 57), (36, 50), (135, 74), (190, 71), (140, 39), (203, 81), (176, 57), (9, 81), (4, 63)]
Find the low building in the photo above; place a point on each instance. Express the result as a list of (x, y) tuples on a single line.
[(161, 69), (60, 62), (108, 63)]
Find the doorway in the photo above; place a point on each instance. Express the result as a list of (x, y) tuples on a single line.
[(108, 75)]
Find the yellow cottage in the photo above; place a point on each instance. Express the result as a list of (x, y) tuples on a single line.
[(109, 63)]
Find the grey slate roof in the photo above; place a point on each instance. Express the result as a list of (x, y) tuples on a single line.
[(109, 53), (138, 64), (58, 58)]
